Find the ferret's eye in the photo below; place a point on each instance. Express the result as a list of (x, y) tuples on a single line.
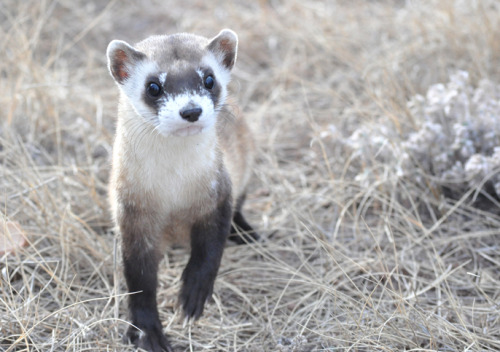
[(153, 89), (209, 82)]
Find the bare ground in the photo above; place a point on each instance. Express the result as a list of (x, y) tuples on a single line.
[(343, 267)]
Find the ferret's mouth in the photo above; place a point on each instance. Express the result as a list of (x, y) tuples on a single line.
[(188, 131)]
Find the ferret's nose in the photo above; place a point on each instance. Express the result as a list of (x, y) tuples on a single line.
[(191, 115)]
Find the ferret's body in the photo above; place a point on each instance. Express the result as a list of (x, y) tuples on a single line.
[(181, 164), (178, 178)]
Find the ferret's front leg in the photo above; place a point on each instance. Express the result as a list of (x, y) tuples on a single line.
[(208, 237), (141, 273)]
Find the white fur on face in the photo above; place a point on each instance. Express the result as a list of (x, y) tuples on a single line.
[(162, 77), (170, 121), (201, 74)]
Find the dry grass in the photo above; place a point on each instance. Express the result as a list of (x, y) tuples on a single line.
[(343, 267)]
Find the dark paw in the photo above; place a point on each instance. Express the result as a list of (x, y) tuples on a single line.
[(241, 231), (151, 340), (243, 237), (197, 287)]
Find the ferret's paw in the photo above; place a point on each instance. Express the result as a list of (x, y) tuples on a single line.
[(243, 237), (151, 340), (196, 289)]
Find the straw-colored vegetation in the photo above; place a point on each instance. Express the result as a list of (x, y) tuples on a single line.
[(361, 251)]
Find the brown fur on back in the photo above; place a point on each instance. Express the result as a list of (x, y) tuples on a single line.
[(238, 148)]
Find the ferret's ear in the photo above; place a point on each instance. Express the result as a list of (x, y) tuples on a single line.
[(225, 47), (121, 60)]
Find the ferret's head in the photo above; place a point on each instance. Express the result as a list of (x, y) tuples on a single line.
[(176, 83)]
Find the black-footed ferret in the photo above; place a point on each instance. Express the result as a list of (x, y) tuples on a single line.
[(181, 164)]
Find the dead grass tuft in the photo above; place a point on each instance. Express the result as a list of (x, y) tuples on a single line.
[(344, 266)]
